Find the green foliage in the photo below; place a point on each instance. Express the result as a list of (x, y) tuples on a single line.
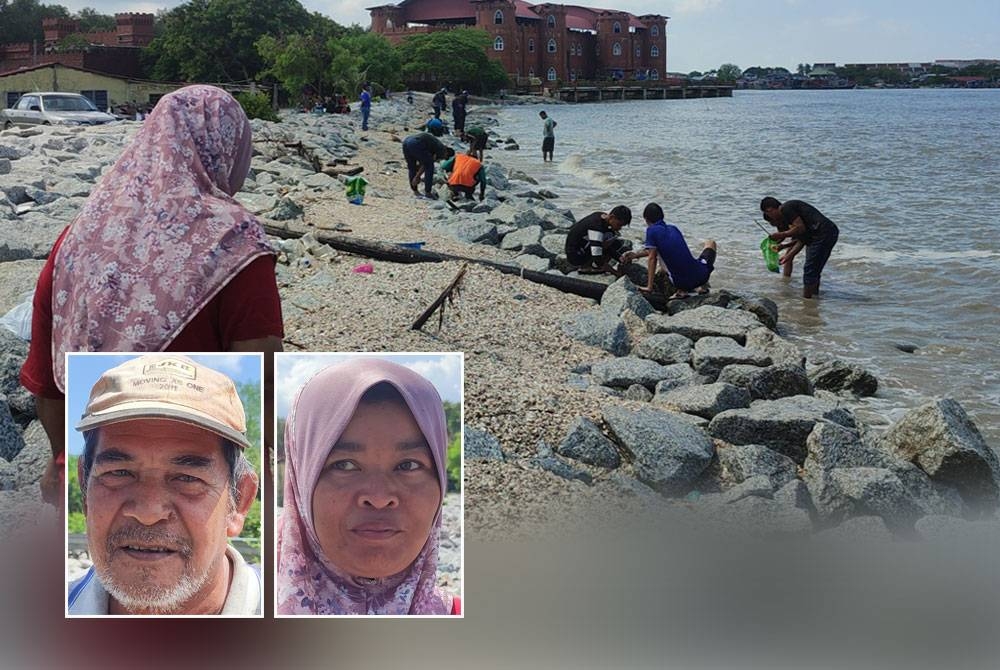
[(72, 43), (91, 21), (865, 77), (257, 106), (251, 525), (455, 463), (21, 20), (76, 523), (375, 60), (75, 494), (728, 72), (298, 63), (214, 40), (454, 57)]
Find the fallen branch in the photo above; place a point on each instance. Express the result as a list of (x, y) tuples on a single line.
[(447, 294), (397, 254)]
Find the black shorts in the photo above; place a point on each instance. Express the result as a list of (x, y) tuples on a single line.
[(708, 255), (548, 144)]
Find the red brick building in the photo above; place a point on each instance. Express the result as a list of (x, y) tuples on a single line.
[(549, 41), (114, 52)]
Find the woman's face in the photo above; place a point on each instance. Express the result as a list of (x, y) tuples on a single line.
[(377, 494)]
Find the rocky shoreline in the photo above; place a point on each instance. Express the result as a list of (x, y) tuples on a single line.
[(571, 405)]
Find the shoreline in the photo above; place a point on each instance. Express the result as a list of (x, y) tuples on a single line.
[(527, 380)]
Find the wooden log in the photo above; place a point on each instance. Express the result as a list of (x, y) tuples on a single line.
[(439, 302)]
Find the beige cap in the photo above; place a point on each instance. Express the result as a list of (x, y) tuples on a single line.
[(169, 387)]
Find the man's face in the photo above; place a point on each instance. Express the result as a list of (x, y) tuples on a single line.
[(159, 513), (614, 222), (378, 493), (772, 215)]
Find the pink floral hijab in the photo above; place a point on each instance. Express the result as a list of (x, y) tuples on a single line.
[(161, 234), (307, 582)]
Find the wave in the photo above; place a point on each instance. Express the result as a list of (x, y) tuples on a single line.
[(573, 165), (858, 252)]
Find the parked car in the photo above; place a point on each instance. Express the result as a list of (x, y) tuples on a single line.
[(53, 109)]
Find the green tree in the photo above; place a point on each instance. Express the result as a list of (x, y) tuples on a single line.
[(92, 21), (75, 495), (250, 395), (299, 63), (214, 40), (455, 57), (728, 72), (377, 61), (21, 20), (257, 106)]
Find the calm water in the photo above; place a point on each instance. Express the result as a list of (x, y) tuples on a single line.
[(911, 177)]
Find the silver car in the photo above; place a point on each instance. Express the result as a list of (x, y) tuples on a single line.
[(34, 109)]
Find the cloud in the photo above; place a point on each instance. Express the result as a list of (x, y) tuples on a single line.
[(683, 7), (227, 364)]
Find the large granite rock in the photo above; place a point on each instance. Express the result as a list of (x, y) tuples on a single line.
[(711, 354), (940, 438), (677, 375), (665, 348), (706, 321), (546, 459), (623, 296), (585, 442), (600, 329), (481, 444), (34, 457), (783, 425), (744, 461), (759, 486), (629, 370), (768, 383), (838, 376), (764, 308), (780, 350), (11, 441), (874, 491), (668, 452), (534, 263), (705, 400), (527, 240)]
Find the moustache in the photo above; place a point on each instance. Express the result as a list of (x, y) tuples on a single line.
[(148, 537)]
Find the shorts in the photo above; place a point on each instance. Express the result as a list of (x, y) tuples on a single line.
[(817, 254), (708, 255), (548, 144)]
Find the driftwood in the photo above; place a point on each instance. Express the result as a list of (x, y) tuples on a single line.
[(447, 294), (396, 254)]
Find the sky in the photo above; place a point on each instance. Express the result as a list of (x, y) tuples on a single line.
[(703, 34), (85, 369), (293, 370)]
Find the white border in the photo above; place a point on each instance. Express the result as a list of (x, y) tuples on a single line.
[(385, 355), (263, 489)]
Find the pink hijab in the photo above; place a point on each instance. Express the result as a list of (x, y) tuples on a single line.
[(307, 582), (161, 234)]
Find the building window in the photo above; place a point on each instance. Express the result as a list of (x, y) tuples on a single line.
[(531, 73), (552, 74), (572, 75), (638, 52), (531, 46), (552, 46), (617, 28), (498, 44), (654, 75), (654, 31), (616, 50), (654, 51), (552, 21), (498, 18), (99, 98)]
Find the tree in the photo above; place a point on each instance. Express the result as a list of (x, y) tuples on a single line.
[(214, 40), (693, 74), (377, 61), (90, 20), (299, 63), (21, 20), (455, 57), (728, 72)]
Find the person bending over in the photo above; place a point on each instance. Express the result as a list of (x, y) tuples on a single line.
[(799, 221), (594, 241), (466, 172)]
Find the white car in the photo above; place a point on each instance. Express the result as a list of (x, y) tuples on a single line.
[(33, 109)]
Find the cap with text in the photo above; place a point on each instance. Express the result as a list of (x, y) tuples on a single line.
[(174, 388)]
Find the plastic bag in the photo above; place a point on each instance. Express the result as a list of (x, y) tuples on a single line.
[(770, 250), (18, 320), (356, 186)]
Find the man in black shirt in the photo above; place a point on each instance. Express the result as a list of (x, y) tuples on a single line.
[(420, 152), (593, 241), (818, 234)]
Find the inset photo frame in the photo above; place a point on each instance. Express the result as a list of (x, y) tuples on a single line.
[(369, 511)]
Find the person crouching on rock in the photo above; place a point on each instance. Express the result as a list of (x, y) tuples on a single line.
[(594, 242), (466, 172), (665, 241)]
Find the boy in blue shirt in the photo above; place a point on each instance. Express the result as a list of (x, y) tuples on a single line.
[(665, 241), (366, 106)]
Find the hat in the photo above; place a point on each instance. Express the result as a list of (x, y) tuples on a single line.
[(167, 387), (435, 123)]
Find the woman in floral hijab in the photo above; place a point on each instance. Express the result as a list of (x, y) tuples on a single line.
[(160, 257), (365, 453)]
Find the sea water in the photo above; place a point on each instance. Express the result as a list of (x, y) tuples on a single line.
[(911, 177)]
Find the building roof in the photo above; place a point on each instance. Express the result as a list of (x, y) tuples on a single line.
[(578, 17)]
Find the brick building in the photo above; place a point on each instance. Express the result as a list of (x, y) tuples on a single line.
[(550, 41), (116, 52)]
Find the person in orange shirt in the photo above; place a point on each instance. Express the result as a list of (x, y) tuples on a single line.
[(465, 172)]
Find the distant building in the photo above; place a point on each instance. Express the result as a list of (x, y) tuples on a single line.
[(548, 41), (116, 52), (104, 90)]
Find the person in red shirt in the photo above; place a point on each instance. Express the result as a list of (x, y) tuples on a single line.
[(160, 258)]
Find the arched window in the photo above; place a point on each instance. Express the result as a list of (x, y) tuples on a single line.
[(552, 74), (616, 50), (654, 75), (552, 21), (531, 46), (552, 46), (617, 28), (654, 51), (572, 75), (498, 44), (638, 52), (498, 18), (654, 31), (531, 73)]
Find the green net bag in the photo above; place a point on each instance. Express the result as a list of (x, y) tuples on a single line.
[(770, 250), (356, 189)]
